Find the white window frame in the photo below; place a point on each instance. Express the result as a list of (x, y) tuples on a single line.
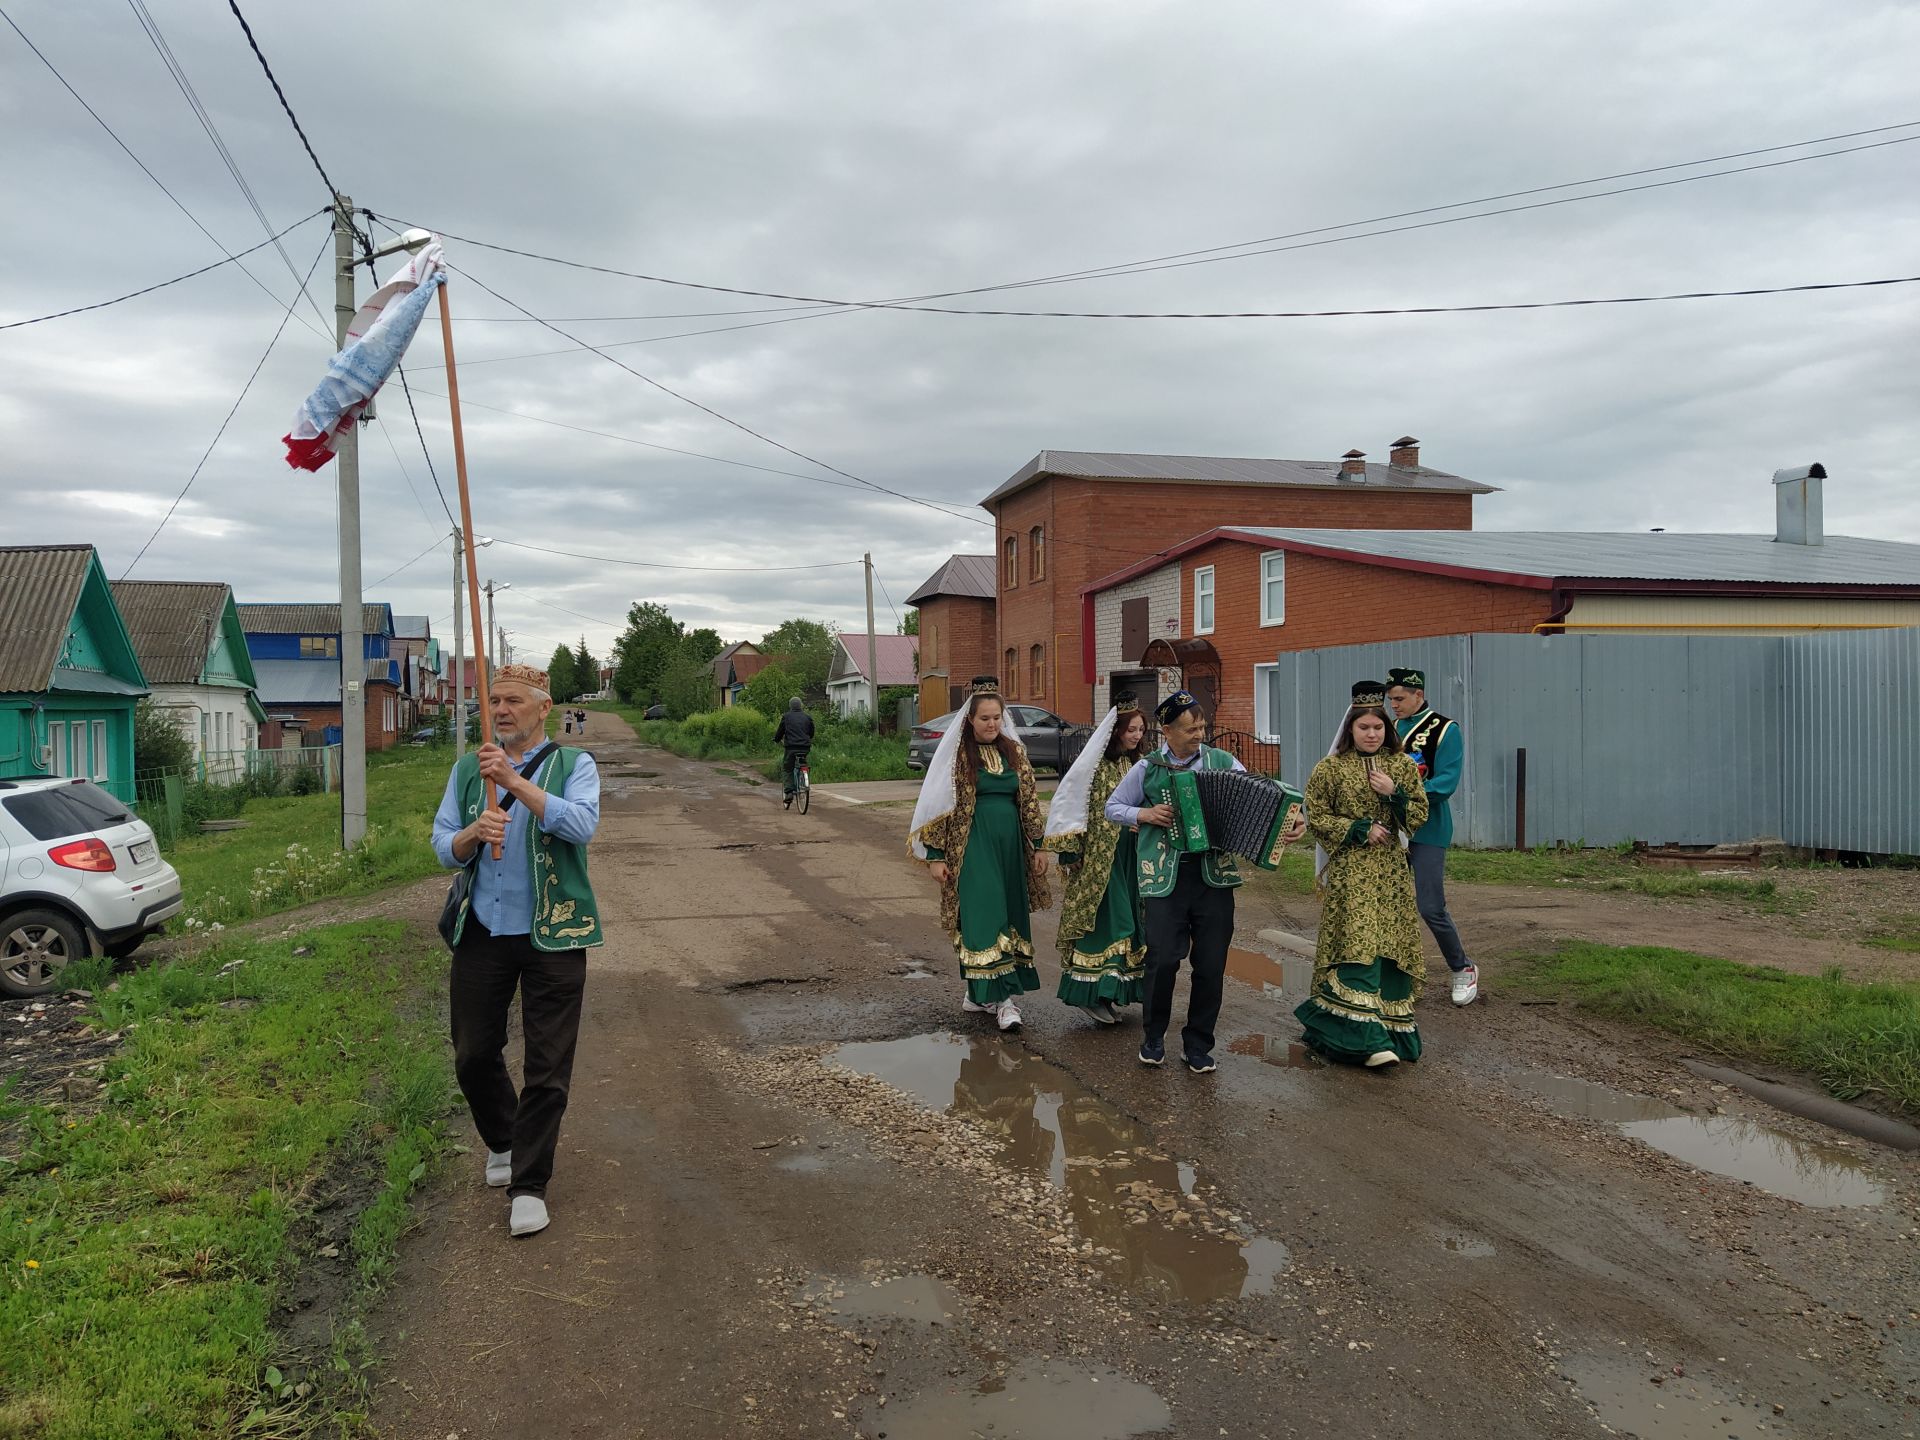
[(100, 766), (57, 743), (1273, 571), (1203, 589), (1266, 725)]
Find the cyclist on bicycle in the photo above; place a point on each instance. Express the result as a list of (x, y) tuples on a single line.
[(794, 731)]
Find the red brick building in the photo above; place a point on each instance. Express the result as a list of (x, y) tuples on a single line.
[(957, 635), (1068, 518)]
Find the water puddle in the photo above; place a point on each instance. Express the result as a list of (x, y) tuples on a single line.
[(1128, 1198), (1467, 1247), (807, 1162), (1035, 1401), (1268, 975), (1623, 1392), (905, 1297), (1288, 1054), (1740, 1149)]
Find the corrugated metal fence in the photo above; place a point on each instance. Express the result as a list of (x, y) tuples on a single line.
[(1684, 740)]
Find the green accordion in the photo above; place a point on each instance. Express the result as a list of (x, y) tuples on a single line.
[(1232, 810)]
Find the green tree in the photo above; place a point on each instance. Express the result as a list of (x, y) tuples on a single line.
[(911, 625), (703, 644), (807, 647), (686, 686), (561, 682), (586, 669), (652, 638), (770, 690), (158, 741)]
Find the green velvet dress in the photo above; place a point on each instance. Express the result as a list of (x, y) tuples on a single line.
[(1367, 965), (995, 935)]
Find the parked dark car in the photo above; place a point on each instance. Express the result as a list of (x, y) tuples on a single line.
[(1052, 743), (424, 735), (655, 712)]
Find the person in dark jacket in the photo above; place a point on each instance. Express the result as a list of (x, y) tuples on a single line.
[(794, 731)]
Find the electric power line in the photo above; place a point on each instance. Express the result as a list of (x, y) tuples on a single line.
[(407, 475), (327, 180), (883, 590), (410, 564), (200, 113), (432, 474), (663, 565), (162, 285), (179, 204), (279, 329)]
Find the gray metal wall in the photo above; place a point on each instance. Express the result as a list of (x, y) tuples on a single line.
[(1685, 740)]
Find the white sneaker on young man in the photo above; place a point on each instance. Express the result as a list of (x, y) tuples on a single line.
[(499, 1168), (1102, 1012), (1382, 1057), (527, 1216), (1466, 985), (1008, 1018)]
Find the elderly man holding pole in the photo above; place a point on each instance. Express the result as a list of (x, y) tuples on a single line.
[(526, 922)]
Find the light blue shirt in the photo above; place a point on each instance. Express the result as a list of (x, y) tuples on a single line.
[(502, 896), (1129, 796)]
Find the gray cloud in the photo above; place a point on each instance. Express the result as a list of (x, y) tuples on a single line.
[(868, 151)]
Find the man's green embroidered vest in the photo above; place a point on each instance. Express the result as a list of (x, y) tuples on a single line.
[(564, 914), (1159, 860)]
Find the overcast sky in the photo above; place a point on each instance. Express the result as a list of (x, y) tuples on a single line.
[(881, 150)]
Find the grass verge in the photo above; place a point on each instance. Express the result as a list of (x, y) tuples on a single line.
[(1902, 932), (1859, 1039), (145, 1245), (841, 753)]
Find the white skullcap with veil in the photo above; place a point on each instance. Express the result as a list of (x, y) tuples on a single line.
[(1068, 814), (937, 791)]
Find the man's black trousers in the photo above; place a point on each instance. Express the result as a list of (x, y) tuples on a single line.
[(1194, 922), (486, 970)]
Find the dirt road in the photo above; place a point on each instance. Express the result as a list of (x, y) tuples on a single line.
[(937, 1231)]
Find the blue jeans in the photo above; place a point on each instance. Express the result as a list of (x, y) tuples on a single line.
[(1429, 864)]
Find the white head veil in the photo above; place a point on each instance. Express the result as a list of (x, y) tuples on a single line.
[(937, 791), (1072, 797)]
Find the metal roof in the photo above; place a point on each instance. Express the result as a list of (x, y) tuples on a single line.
[(1562, 555), (173, 625), (1228, 470), (40, 589), (412, 627), (895, 654), (973, 576), (296, 682), (312, 619)]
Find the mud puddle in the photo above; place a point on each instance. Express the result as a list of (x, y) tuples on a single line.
[(1037, 1400), (904, 1297), (1728, 1145), (1268, 975), (1142, 1211), (1633, 1396), (1467, 1247), (1276, 1050)]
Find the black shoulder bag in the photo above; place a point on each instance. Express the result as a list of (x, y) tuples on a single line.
[(462, 886)]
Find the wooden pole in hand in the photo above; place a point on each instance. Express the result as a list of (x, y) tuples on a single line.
[(480, 636)]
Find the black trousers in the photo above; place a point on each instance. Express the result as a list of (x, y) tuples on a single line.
[(1195, 922), (487, 968)]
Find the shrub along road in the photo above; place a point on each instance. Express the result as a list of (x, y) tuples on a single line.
[(748, 1239)]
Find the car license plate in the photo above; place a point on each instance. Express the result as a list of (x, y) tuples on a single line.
[(141, 851)]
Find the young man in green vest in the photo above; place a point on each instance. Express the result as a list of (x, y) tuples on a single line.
[(1187, 895), (527, 923), (1434, 744)]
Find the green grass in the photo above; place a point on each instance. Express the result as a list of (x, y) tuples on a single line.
[(1859, 1039), (841, 753), (144, 1245), (1902, 932), (289, 853)]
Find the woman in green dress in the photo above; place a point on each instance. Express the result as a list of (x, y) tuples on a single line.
[(978, 826), (1103, 951), (1363, 801)]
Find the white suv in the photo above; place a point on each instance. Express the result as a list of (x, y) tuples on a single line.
[(79, 875)]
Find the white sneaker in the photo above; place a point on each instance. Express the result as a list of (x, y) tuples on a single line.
[(1009, 1018), (1382, 1057), (967, 1004), (499, 1168), (1102, 1012), (528, 1215), (1466, 985)]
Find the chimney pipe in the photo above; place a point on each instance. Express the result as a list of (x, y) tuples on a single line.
[(1798, 512), (1354, 464), (1405, 454)]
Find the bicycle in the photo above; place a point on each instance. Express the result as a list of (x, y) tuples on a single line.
[(802, 785)]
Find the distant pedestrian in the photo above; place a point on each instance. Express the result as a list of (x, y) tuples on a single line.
[(794, 733), (1103, 947), (1363, 800), (1186, 895), (580, 721), (526, 924), (568, 722), (1438, 751), (978, 825)]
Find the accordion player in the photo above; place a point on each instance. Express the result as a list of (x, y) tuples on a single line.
[(1233, 810)]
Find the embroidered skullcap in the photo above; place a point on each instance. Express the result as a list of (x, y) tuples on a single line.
[(1174, 706), (1369, 692), (523, 675), (1410, 679)]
